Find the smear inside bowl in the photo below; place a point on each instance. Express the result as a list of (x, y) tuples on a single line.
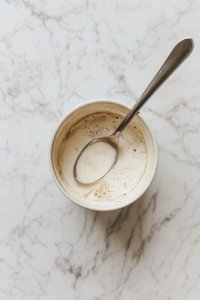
[(135, 166)]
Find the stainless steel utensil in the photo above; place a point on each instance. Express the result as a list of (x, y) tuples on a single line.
[(180, 52)]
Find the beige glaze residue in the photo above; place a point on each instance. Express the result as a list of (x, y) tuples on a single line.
[(94, 162), (126, 174)]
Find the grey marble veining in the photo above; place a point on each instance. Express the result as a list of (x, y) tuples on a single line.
[(53, 56)]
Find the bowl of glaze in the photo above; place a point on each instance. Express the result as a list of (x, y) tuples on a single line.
[(136, 166)]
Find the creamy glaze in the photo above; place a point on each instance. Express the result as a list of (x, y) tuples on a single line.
[(126, 174)]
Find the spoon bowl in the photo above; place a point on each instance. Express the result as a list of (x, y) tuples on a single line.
[(112, 140)]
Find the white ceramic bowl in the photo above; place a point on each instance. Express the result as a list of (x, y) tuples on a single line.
[(87, 106)]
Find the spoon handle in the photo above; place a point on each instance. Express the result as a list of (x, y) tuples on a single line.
[(180, 52)]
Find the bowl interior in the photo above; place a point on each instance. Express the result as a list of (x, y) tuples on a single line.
[(68, 125)]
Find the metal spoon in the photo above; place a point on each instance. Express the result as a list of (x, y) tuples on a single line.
[(180, 52)]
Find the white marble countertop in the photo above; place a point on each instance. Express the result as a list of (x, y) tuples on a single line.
[(53, 56)]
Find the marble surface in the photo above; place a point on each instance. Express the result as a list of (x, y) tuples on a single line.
[(54, 55)]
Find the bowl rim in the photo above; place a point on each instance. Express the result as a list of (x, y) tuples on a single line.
[(123, 204)]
